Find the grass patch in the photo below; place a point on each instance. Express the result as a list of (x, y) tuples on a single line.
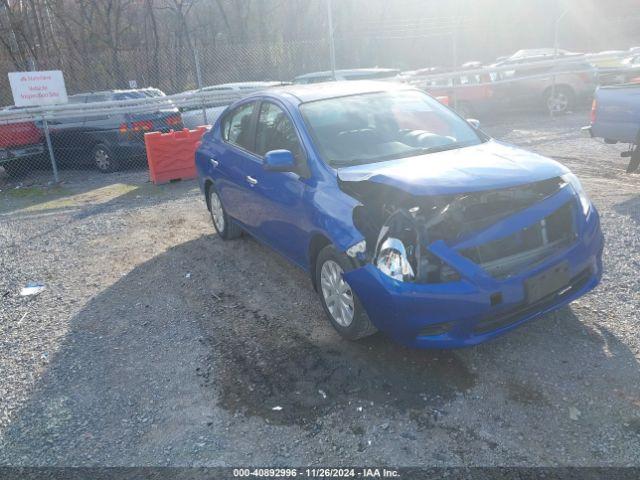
[(35, 192)]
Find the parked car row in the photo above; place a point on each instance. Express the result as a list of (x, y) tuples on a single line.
[(110, 141), (106, 141)]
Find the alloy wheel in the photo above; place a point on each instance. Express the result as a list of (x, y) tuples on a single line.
[(102, 159), (217, 214), (558, 103), (336, 293)]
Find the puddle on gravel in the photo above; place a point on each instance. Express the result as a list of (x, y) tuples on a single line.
[(261, 367)]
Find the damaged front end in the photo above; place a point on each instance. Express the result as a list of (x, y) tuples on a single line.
[(471, 248), (399, 229)]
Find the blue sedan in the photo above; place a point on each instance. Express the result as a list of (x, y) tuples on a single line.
[(408, 218)]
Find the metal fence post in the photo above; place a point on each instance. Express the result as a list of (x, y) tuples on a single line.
[(332, 45), (199, 80), (556, 51), (454, 47), (54, 166)]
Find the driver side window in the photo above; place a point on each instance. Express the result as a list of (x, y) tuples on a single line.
[(275, 131)]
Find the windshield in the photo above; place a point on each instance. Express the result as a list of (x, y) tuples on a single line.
[(382, 126)]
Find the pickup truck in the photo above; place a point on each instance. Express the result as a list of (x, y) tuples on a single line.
[(21, 147), (615, 117)]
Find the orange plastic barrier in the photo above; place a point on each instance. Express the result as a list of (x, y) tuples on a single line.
[(171, 156)]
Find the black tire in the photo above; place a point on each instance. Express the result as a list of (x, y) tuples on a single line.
[(16, 169), (360, 325), (104, 159), (228, 229), (565, 99)]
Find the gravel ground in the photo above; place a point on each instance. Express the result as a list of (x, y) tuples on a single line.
[(155, 343)]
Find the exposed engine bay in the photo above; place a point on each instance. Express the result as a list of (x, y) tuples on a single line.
[(399, 227)]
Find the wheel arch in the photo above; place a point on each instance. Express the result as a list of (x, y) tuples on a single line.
[(317, 243), (547, 91), (208, 183)]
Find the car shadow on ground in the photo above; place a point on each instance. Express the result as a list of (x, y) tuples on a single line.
[(211, 332)]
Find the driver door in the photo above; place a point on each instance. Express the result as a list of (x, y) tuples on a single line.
[(281, 217)]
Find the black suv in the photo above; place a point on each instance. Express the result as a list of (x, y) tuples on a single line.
[(107, 141)]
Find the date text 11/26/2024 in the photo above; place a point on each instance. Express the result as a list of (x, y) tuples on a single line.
[(316, 472)]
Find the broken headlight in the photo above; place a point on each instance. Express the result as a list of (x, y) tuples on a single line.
[(572, 180), (392, 260)]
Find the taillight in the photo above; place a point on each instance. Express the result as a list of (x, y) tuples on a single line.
[(443, 99), (174, 120), (142, 126), (123, 128), (594, 106)]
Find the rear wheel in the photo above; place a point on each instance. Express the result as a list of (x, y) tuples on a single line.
[(225, 226), (340, 303), (559, 100), (104, 159)]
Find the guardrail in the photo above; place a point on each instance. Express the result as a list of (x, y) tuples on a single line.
[(137, 105)]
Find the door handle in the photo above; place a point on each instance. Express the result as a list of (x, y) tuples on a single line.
[(252, 181), (214, 162)]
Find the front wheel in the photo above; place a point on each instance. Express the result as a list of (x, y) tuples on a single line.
[(340, 303), (16, 168)]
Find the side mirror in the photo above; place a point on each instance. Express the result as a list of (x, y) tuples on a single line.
[(279, 161), (474, 123)]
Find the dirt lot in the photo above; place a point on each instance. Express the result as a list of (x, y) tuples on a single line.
[(155, 343)]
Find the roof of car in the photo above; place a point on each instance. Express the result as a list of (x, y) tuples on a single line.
[(242, 85), (349, 72), (320, 91)]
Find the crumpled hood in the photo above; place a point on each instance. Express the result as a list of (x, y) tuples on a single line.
[(491, 165)]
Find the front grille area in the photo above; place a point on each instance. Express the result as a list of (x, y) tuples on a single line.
[(527, 247), (490, 324)]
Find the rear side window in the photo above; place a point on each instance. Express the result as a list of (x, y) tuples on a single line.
[(236, 126)]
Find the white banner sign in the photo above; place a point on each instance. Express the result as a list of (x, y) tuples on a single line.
[(31, 89)]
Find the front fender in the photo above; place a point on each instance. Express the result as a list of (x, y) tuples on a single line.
[(333, 217)]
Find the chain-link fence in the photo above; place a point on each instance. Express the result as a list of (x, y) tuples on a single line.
[(119, 100), (115, 99)]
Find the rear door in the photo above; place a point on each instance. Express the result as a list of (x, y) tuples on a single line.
[(234, 165)]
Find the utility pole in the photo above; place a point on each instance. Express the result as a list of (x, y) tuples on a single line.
[(332, 47), (556, 50)]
